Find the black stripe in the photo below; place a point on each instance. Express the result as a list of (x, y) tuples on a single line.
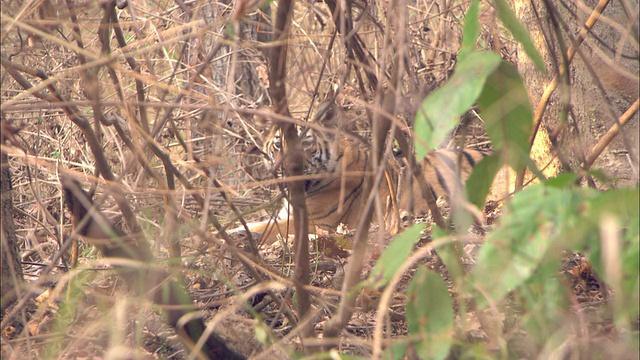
[(311, 186), (349, 200), (451, 164), (483, 152), (469, 158), (444, 158), (442, 181)]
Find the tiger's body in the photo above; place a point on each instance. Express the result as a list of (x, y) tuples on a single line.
[(335, 165)]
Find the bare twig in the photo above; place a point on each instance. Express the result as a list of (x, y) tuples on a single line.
[(165, 289), (294, 159), (381, 126), (610, 135), (546, 96), (79, 120)]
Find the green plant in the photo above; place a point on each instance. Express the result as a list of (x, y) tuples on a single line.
[(520, 260)]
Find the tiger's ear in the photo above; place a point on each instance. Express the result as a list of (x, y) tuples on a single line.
[(262, 127), (327, 114), (263, 121)]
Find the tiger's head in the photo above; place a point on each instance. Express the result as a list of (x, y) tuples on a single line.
[(317, 140)]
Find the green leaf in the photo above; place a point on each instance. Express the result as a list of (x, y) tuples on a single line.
[(545, 293), (621, 202), (451, 254), (451, 259), (631, 272), (563, 180), (505, 108), (394, 256), (440, 111), (521, 257), (471, 30), (622, 205), (262, 333), (543, 220), (479, 182), (231, 31), (527, 230), (518, 31), (430, 314), (396, 350)]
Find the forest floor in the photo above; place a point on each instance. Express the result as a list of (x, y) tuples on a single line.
[(98, 322)]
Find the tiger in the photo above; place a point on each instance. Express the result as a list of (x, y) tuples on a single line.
[(334, 167)]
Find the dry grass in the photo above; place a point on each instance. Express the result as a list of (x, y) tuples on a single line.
[(177, 114)]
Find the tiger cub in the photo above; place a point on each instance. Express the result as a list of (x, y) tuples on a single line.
[(335, 164)]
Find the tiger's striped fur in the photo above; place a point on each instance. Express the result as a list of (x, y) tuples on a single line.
[(335, 166)]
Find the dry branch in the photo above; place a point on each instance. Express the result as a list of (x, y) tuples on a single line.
[(294, 160), (157, 284)]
